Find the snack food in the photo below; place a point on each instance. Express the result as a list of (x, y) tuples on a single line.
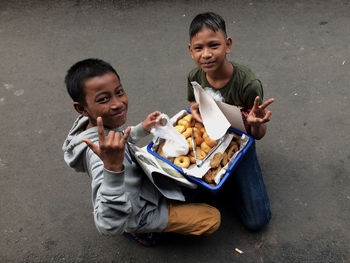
[(210, 142), (182, 161), (203, 144), (192, 159), (225, 159), (200, 154), (187, 133), (221, 159), (210, 175), (198, 125), (198, 138), (190, 146), (180, 128), (215, 162), (232, 148), (184, 123), (205, 147), (190, 119)]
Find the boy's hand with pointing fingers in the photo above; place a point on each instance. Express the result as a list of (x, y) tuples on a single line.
[(111, 148)]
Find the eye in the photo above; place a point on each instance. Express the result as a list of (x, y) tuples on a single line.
[(120, 92), (102, 99), (215, 45), (198, 48)]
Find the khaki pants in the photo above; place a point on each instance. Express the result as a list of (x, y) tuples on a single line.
[(192, 219)]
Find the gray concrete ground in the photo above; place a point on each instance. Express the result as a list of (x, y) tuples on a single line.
[(299, 49)]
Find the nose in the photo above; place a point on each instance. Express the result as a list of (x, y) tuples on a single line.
[(207, 53), (116, 102)]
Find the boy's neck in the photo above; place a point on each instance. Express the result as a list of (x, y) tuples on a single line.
[(221, 76), (89, 125)]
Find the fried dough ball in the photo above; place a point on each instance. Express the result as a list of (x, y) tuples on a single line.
[(187, 133), (189, 141), (204, 134), (200, 153), (196, 131), (209, 177), (225, 159), (215, 162), (205, 147), (233, 147), (182, 161), (180, 128), (236, 138), (198, 138), (210, 142), (198, 125), (190, 119), (184, 123), (192, 159), (216, 170)]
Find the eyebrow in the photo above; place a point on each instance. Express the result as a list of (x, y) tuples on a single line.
[(105, 92)]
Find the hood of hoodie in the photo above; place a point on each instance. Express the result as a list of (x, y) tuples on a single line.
[(74, 148)]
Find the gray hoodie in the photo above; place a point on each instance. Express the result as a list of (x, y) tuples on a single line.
[(122, 201)]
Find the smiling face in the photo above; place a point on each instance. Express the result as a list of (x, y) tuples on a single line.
[(104, 97), (208, 49)]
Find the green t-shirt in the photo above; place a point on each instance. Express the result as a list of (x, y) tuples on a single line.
[(241, 89)]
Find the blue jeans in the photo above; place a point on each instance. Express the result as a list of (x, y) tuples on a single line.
[(245, 189)]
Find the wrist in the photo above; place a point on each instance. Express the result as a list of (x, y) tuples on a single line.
[(114, 167)]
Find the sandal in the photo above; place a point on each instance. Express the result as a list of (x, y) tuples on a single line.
[(144, 239)]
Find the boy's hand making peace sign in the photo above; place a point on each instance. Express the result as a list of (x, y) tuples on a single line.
[(111, 148), (258, 116)]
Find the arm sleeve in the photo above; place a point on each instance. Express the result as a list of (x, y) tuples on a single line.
[(251, 90), (111, 203), (137, 132)]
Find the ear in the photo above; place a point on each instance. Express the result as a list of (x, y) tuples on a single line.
[(228, 45), (190, 50), (80, 108)]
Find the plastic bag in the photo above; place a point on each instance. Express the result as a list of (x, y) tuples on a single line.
[(175, 143)]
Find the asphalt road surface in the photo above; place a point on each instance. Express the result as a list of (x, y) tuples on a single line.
[(299, 49)]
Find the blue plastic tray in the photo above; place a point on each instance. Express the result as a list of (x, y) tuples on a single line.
[(201, 183)]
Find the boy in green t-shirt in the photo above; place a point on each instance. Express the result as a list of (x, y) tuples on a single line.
[(230, 82), (236, 85)]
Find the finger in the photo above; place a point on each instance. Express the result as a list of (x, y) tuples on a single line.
[(92, 146), (126, 135), (110, 138), (256, 103), (267, 116), (100, 130), (154, 115), (198, 117), (267, 103)]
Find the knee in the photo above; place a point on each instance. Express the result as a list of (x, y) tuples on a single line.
[(256, 224), (213, 221)]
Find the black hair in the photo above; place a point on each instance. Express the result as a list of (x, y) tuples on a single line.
[(80, 72), (210, 20)]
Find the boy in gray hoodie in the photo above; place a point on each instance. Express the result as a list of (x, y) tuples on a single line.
[(123, 197)]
